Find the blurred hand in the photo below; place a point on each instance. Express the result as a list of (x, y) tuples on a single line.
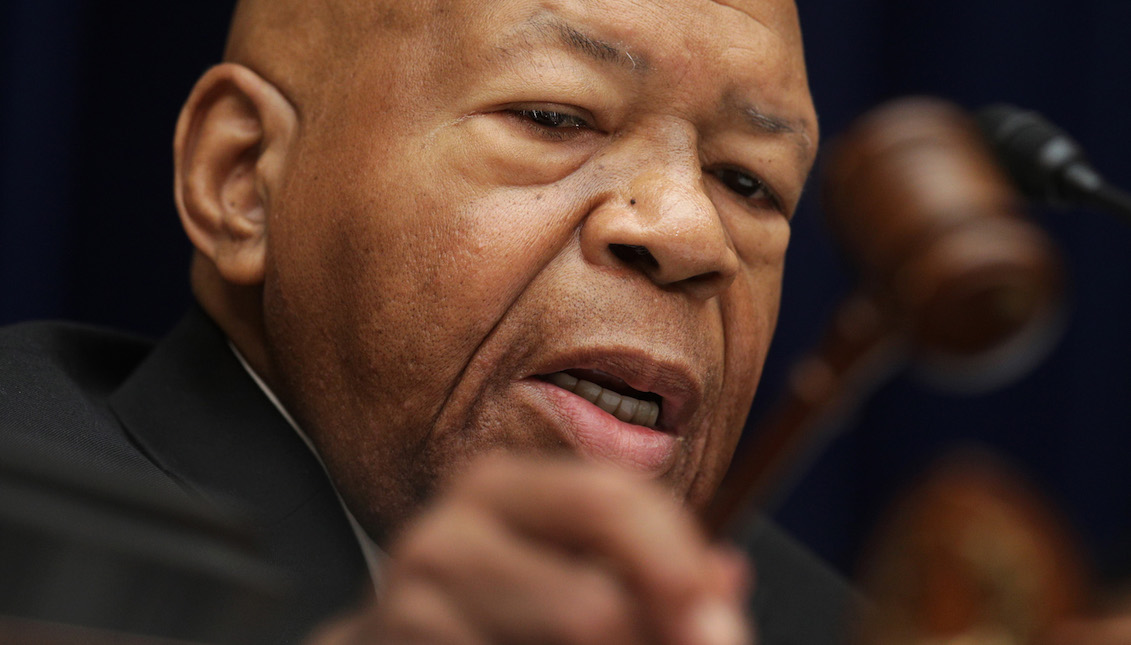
[(549, 551)]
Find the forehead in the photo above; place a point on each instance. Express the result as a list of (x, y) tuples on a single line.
[(660, 30), (742, 57)]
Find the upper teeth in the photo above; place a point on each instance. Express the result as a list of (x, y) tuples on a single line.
[(625, 408)]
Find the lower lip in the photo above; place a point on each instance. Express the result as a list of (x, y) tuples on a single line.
[(602, 437)]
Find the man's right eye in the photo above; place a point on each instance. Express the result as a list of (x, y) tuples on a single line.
[(552, 119), (551, 122)]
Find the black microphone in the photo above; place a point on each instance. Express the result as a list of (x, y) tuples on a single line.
[(1047, 164)]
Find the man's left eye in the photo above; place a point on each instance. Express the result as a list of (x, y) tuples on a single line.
[(745, 185)]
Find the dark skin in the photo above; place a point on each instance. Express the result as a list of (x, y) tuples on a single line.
[(406, 215)]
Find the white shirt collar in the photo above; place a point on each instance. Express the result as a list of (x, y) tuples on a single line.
[(374, 557)]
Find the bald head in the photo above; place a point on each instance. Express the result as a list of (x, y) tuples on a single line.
[(303, 45)]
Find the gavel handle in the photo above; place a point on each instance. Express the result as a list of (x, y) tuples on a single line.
[(860, 350)]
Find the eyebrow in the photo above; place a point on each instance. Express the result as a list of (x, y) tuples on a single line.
[(592, 47), (773, 125), (766, 123)]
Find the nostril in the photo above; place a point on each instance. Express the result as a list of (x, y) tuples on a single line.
[(634, 255)]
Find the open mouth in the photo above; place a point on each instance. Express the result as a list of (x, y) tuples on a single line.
[(611, 394)]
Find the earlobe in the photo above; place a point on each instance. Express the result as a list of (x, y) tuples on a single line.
[(232, 138)]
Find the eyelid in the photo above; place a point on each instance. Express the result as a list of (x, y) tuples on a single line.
[(569, 110)]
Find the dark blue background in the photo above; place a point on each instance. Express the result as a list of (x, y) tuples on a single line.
[(91, 90)]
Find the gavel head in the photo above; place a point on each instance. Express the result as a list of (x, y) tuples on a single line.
[(972, 554), (934, 226)]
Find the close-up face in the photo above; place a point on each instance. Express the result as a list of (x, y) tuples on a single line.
[(548, 227)]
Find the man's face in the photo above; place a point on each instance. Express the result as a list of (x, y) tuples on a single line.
[(489, 195)]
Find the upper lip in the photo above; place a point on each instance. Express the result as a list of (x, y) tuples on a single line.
[(675, 382)]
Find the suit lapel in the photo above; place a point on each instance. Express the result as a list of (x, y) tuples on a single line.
[(194, 411)]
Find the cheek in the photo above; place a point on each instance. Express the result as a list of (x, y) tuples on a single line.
[(750, 314), (498, 149), (405, 272), (761, 240)]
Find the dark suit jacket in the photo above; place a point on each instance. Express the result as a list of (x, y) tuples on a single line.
[(185, 412)]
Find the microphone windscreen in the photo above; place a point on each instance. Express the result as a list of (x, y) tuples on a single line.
[(1043, 160)]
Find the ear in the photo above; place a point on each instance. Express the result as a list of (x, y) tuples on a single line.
[(232, 139)]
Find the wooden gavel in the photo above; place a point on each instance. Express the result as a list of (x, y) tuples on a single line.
[(952, 278)]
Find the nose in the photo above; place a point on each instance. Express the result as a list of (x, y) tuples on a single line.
[(658, 220)]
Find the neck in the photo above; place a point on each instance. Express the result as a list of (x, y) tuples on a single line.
[(237, 309)]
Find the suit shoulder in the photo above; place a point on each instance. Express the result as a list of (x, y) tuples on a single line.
[(90, 356), (55, 379), (798, 599)]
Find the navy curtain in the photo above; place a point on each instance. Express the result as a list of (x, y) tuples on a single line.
[(90, 93)]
